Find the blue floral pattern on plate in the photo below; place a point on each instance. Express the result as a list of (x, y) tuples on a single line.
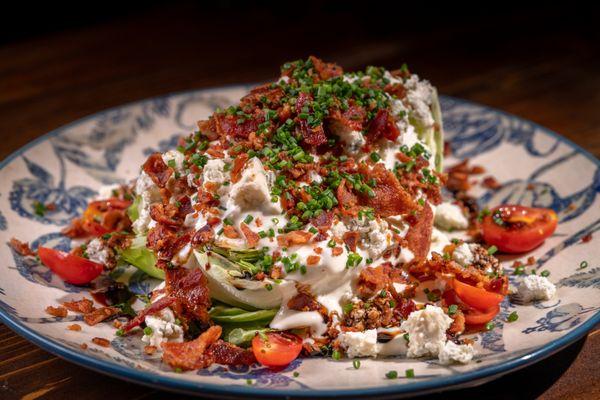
[(536, 167)]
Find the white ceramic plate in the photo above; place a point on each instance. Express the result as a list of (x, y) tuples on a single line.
[(65, 167)]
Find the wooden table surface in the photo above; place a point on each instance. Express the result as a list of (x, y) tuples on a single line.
[(540, 65)]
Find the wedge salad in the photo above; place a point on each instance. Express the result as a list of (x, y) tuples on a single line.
[(310, 219)]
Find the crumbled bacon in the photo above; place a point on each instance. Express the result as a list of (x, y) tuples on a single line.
[(305, 301), (157, 170), (238, 166), (353, 118), (490, 182), (312, 260), (587, 238), (83, 306), (396, 89), (203, 236), (22, 248), (102, 342), (263, 95), (293, 238), (348, 201), (233, 125), (150, 349), (230, 232), (418, 236), (59, 312), (208, 128), (382, 126), (225, 353), (252, 237), (152, 309), (74, 327), (191, 355), (96, 316), (390, 198), (323, 221), (351, 239), (325, 70), (189, 288), (371, 281)]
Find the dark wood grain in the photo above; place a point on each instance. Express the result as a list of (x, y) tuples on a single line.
[(541, 65)]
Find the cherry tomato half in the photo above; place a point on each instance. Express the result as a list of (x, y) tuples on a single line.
[(475, 317), (71, 268), (518, 229), (276, 349), (475, 297)]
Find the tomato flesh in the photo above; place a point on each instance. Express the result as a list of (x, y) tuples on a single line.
[(473, 316), (71, 268), (475, 297), (276, 349), (518, 229)]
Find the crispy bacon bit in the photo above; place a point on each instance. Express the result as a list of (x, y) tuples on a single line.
[(230, 232), (74, 327), (336, 251), (238, 166), (353, 118), (99, 315), (225, 353), (325, 70), (348, 201), (419, 234), (351, 239), (312, 260), (101, 342), (208, 128), (252, 237), (232, 125), (458, 323), (390, 198), (371, 281), (150, 349), (83, 346), (323, 221), (304, 301), (191, 355), (22, 248), (318, 250), (59, 312), (263, 94), (490, 182), (154, 308), (530, 260), (203, 236), (83, 306), (396, 89), (293, 238), (587, 238), (157, 170), (189, 288), (382, 125)]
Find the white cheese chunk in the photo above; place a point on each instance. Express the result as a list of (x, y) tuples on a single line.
[(360, 344), (456, 353), (214, 172), (164, 328), (252, 192), (149, 193), (427, 331), (449, 216), (97, 252), (463, 255), (535, 287), (176, 157)]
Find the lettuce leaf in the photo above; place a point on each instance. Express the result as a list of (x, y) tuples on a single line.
[(141, 257)]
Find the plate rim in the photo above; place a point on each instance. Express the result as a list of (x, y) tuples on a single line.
[(167, 382)]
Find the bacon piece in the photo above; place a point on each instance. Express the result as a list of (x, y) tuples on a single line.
[(157, 170), (395, 89), (59, 312), (325, 70), (96, 316), (225, 353), (294, 238), (263, 94), (252, 237), (351, 240), (371, 281), (312, 135), (102, 342), (22, 248), (190, 289), (238, 166), (323, 221), (152, 309), (203, 236), (390, 197), (312, 260), (382, 125), (82, 306), (304, 302), (233, 125), (208, 128), (351, 119), (347, 200), (191, 355), (230, 232), (74, 327), (418, 236)]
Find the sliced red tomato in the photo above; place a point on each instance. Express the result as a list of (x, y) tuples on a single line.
[(71, 268), (276, 349), (518, 229), (472, 315), (476, 317), (475, 297)]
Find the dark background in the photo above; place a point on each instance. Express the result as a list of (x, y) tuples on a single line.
[(62, 61)]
